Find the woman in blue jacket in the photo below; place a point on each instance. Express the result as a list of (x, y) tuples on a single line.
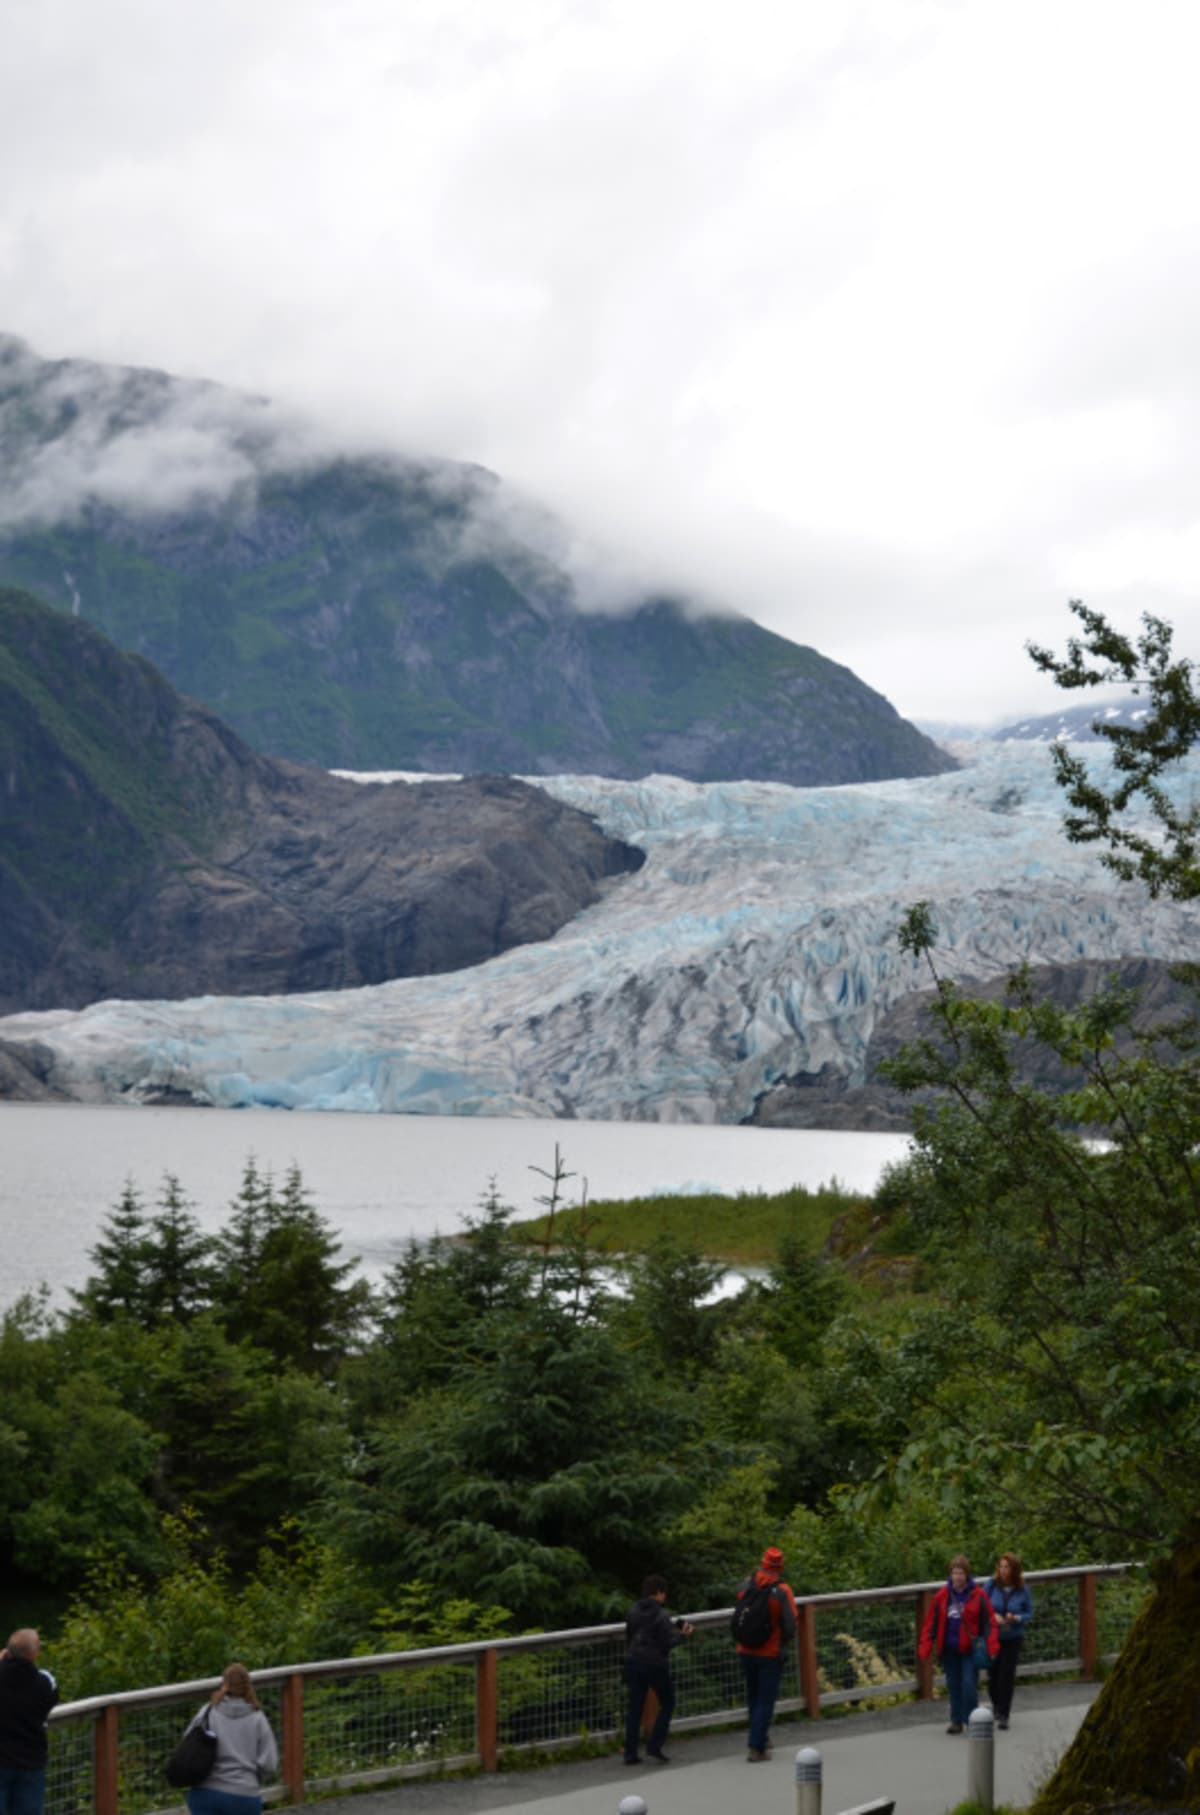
[(1012, 1605)]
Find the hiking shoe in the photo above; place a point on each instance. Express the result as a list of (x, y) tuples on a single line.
[(954, 1727), (1003, 1725), (631, 1761), (660, 1758), (755, 1757)]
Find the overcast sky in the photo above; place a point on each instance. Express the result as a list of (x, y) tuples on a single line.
[(879, 322)]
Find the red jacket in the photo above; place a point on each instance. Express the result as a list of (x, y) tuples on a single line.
[(976, 1607), (782, 1607)]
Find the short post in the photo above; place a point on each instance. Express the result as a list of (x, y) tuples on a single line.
[(632, 1805), (808, 1781), (981, 1758), (1087, 1625), (105, 1762)]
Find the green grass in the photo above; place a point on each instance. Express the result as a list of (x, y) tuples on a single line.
[(745, 1229)]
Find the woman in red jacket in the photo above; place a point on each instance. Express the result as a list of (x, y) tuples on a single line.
[(959, 1614)]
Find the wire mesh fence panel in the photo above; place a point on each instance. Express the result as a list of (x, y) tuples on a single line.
[(708, 1674), (866, 1647), (69, 1782), (148, 1736), (1053, 1632), (388, 1719), (1119, 1600), (549, 1697)]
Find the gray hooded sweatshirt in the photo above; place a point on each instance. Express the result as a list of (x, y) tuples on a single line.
[(246, 1749)]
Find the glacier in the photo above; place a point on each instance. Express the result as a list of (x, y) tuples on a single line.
[(758, 941)]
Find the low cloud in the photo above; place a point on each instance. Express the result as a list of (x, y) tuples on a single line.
[(871, 322)]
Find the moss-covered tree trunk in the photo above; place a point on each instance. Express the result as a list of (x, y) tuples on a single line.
[(1139, 1746)]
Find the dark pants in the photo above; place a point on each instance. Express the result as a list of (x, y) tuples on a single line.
[(642, 1677), (1002, 1677), (21, 1792), (962, 1685), (222, 1802), (762, 1689)]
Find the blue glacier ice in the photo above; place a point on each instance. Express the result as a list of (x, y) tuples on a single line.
[(759, 940)]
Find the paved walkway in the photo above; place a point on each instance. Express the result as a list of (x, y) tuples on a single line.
[(902, 1752)]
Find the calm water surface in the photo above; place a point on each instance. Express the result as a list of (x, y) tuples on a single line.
[(378, 1179)]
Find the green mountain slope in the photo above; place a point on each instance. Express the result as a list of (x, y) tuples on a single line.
[(382, 614)]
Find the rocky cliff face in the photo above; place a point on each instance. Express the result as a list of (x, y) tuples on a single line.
[(145, 851), (380, 613), (829, 1099)]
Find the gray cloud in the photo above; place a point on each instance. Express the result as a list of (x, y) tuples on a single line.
[(870, 321)]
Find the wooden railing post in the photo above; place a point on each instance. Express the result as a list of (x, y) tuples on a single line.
[(293, 1737), (1087, 1624), (487, 1708), (806, 1648), (104, 1762), (924, 1665)]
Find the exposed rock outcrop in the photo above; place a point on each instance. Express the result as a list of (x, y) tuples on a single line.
[(829, 1099), (145, 851)]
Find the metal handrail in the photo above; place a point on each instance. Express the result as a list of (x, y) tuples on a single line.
[(470, 1649), (112, 1755)]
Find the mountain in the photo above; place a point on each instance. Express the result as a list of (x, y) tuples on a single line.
[(1074, 724), (756, 947), (386, 613), (146, 851)]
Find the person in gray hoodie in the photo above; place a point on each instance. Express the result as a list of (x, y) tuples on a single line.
[(246, 1749)]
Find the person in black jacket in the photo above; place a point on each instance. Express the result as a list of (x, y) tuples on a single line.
[(650, 1637), (27, 1695)]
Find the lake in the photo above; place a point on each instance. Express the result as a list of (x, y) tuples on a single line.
[(378, 1179)]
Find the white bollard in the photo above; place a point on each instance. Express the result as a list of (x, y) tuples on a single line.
[(981, 1758), (632, 1805), (808, 1781)]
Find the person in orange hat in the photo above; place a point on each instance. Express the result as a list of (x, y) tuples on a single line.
[(764, 1618)]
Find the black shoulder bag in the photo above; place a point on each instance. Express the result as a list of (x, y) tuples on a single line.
[(194, 1756)]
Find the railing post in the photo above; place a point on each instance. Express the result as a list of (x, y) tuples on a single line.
[(293, 1737), (487, 1708), (1087, 1624), (924, 1664), (806, 1646), (104, 1762)]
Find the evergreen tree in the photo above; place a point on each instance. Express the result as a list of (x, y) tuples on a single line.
[(178, 1259), (281, 1284), (119, 1285)]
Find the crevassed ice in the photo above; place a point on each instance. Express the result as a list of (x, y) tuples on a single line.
[(759, 940)]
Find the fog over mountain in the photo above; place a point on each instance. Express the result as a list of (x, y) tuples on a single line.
[(357, 608)]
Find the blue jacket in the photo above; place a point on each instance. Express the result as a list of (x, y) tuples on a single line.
[(1017, 1601)]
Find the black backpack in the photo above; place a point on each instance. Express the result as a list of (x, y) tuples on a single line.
[(751, 1622)]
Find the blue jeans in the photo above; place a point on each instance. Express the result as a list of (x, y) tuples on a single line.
[(962, 1685), (222, 1802), (21, 1792), (762, 1689), (640, 1677)]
